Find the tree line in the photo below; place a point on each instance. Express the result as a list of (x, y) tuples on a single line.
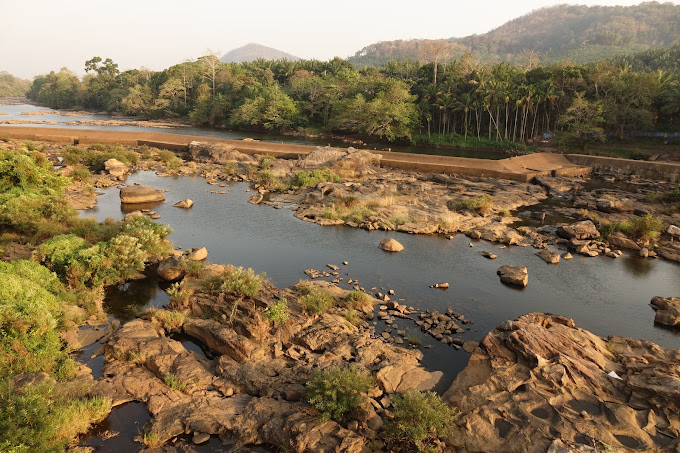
[(403, 99)]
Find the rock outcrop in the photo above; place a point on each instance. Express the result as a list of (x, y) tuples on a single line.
[(540, 378), (116, 168), (185, 204), (172, 268), (514, 275), (549, 256), (219, 153), (579, 230), (391, 245), (140, 194), (667, 310)]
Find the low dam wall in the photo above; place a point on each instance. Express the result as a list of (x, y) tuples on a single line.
[(521, 168), (660, 171)]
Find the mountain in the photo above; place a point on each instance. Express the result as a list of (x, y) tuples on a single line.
[(581, 33), (253, 51)]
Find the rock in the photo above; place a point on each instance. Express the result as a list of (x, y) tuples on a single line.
[(609, 206), (186, 204), (644, 252), (172, 268), (549, 256), (444, 285), (115, 168), (514, 275), (579, 230), (220, 153), (552, 380), (200, 438), (470, 346), (566, 256), (133, 215), (488, 255), (667, 310), (621, 241), (20, 381), (673, 231), (140, 194), (391, 245), (197, 254)]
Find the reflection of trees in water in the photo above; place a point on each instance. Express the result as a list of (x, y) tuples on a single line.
[(638, 266), (126, 301)]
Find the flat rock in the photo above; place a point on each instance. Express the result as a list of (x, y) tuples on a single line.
[(514, 275), (621, 241), (488, 255), (115, 167), (549, 256), (579, 230), (140, 194), (540, 378), (391, 245)]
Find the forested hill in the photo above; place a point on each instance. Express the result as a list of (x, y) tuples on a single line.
[(252, 52), (581, 33)]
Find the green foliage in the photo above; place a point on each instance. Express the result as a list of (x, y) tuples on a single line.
[(358, 300), (277, 312), (174, 382), (460, 141), (419, 419), (308, 178), (45, 418), (31, 301), (337, 391), (95, 156), (179, 293), (170, 320), (480, 203), (315, 299), (236, 280), (648, 225), (12, 86)]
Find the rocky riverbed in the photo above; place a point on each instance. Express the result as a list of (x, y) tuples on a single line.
[(535, 384)]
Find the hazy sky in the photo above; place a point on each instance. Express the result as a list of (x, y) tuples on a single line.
[(37, 36)]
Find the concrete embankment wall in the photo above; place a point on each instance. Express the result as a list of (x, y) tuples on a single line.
[(660, 171), (521, 168)]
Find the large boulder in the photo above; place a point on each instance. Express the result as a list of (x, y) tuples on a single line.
[(667, 310), (115, 168), (185, 204), (140, 194), (541, 378), (391, 245), (197, 254), (172, 268), (514, 275), (673, 231), (219, 153), (579, 230), (621, 241)]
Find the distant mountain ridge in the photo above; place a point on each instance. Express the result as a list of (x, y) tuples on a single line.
[(253, 51), (580, 33)]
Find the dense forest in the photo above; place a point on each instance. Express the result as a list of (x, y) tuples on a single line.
[(457, 100), (579, 33), (12, 86)]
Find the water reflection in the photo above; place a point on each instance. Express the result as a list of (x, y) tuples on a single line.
[(638, 266), (128, 300)]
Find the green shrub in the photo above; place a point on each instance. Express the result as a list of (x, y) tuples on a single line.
[(150, 235), (170, 320), (315, 299), (352, 316), (419, 419), (335, 392), (308, 178), (174, 382), (480, 203), (358, 300), (648, 225), (179, 293), (80, 173), (45, 418), (277, 312), (93, 231), (170, 159), (237, 281)]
